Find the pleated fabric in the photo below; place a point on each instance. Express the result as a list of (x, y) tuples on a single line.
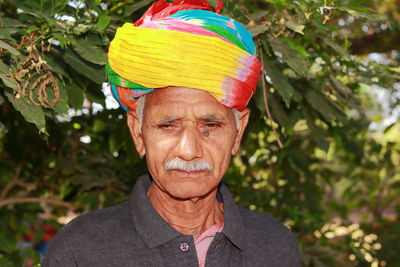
[(193, 48)]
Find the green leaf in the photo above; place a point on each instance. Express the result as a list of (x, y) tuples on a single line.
[(31, 113), (10, 49), (317, 133), (278, 111), (3, 68), (295, 27), (7, 33), (257, 29), (358, 14), (321, 104), (62, 105), (388, 128), (342, 88), (276, 107), (103, 22), (96, 95), (28, 253), (95, 75), (7, 244), (131, 9), (10, 83), (8, 22), (99, 125), (32, 28), (33, 4), (279, 81), (90, 52), (289, 55), (115, 139), (336, 47), (75, 95), (82, 28), (5, 262), (56, 64), (258, 97), (395, 69), (39, 232), (59, 37), (345, 94), (258, 15)]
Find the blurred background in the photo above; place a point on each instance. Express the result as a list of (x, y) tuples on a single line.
[(321, 153)]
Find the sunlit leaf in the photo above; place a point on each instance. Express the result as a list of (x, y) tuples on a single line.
[(257, 29), (289, 55), (9, 48), (9, 22), (103, 22), (3, 68), (336, 47), (9, 82), (295, 26)]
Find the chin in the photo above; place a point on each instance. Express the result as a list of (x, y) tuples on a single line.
[(188, 189)]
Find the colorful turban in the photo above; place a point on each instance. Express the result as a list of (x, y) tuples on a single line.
[(183, 44)]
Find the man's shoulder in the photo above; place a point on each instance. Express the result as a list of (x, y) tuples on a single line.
[(91, 236), (93, 226), (261, 223), (264, 232), (102, 218)]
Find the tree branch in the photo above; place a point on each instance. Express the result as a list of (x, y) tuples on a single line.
[(264, 86), (13, 182), (27, 185), (55, 202)]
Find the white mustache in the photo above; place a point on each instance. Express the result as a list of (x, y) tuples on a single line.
[(188, 166)]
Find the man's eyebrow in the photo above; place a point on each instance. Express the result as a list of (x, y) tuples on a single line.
[(211, 117), (167, 119)]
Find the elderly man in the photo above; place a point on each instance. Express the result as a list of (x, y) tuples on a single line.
[(185, 76)]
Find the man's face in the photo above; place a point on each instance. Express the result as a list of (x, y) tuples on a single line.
[(189, 125)]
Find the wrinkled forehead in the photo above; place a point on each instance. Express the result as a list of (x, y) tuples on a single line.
[(184, 102)]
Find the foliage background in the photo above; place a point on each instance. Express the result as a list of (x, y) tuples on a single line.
[(332, 87)]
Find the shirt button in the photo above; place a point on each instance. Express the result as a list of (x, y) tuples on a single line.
[(184, 246)]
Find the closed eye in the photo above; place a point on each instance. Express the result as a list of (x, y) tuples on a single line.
[(165, 125), (213, 124)]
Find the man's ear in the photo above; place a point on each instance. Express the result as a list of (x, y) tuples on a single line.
[(133, 125), (243, 120)]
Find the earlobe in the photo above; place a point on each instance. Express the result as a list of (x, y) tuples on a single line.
[(135, 132), (243, 120)]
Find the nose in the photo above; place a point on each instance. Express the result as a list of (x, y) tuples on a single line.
[(189, 144)]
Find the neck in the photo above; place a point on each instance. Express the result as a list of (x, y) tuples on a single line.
[(190, 216)]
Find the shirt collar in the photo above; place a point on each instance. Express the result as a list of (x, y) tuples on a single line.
[(233, 224), (155, 231)]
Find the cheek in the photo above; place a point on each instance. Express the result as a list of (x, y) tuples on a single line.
[(223, 140), (156, 142), (157, 151), (220, 149)]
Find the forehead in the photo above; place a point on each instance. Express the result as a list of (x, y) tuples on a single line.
[(183, 102)]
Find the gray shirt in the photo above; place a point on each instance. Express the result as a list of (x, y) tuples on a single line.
[(133, 234)]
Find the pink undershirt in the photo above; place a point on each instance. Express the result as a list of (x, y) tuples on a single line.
[(204, 240)]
